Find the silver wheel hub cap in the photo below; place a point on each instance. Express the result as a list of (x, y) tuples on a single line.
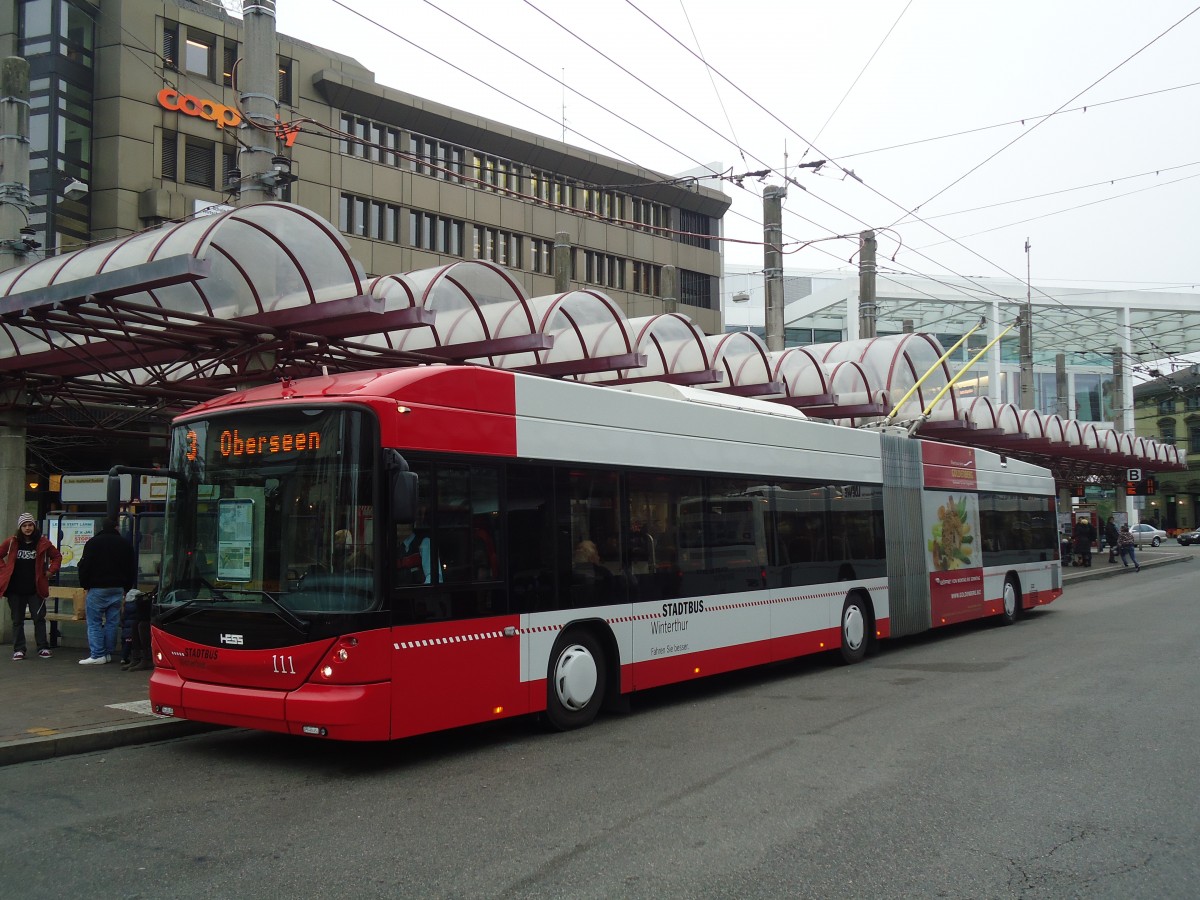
[(575, 677), (1010, 600), (853, 627)]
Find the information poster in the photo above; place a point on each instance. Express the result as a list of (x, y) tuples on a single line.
[(235, 540), (75, 533)]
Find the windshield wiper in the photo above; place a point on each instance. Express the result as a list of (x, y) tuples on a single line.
[(284, 613)]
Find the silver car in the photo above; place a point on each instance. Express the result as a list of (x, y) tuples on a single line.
[(1144, 533)]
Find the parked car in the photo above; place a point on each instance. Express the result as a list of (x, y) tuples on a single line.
[(1144, 533), (1188, 537)]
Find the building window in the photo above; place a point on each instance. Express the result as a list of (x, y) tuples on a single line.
[(1166, 431), (170, 47), (1094, 398), (285, 80), (198, 54), (603, 269), (647, 279), (501, 247), (230, 53), (541, 256), (433, 158), (1193, 437), (437, 233), (649, 216), (1192, 403), (229, 157), (1166, 407), (199, 163), (170, 155), (369, 218), (695, 289), (695, 227)]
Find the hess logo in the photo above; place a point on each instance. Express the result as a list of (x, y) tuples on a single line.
[(233, 640)]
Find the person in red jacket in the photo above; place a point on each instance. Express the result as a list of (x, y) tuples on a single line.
[(28, 560)]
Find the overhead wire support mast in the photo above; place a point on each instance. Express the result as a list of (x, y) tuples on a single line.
[(928, 410)]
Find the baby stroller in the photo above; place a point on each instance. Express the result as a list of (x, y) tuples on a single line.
[(136, 609)]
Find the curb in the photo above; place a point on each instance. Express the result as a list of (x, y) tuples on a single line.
[(93, 739), (1110, 570)]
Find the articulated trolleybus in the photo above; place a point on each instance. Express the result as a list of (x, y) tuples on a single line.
[(380, 554)]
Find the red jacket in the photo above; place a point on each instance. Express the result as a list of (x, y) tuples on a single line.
[(43, 571)]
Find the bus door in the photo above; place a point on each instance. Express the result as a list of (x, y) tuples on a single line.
[(454, 664)]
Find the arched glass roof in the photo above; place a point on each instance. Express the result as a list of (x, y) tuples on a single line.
[(270, 288)]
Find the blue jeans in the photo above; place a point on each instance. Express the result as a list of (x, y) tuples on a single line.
[(1128, 552), (103, 615)]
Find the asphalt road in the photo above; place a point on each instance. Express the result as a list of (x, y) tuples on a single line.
[(1055, 758)]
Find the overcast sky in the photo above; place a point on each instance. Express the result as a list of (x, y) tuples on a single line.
[(848, 83)]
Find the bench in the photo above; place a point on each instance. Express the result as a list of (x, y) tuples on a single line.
[(76, 597)]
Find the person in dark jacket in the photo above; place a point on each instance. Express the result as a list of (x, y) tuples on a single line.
[(108, 568), (28, 560), (1111, 536), (1085, 533)]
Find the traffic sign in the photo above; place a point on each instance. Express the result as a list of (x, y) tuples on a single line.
[(1133, 474)]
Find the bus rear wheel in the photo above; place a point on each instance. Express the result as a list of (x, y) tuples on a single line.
[(855, 624), (1012, 602), (575, 681)]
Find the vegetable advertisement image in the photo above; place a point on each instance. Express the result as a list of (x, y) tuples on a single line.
[(952, 533)]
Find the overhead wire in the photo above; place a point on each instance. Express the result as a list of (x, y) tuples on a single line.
[(712, 81), (857, 77), (1020, 121), (1042, 121), (733, 142), (1059, 212)]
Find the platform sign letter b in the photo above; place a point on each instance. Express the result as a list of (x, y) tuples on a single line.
[(1133, 475)]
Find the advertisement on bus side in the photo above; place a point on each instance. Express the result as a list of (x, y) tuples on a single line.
[(953, 555)]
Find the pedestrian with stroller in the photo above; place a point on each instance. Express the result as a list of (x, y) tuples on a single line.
[(28, 560)]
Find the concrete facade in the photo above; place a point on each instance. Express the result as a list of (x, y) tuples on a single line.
[(425, 184)]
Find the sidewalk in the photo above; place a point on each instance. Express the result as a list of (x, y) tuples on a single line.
[(1149, 557), (56, 707)]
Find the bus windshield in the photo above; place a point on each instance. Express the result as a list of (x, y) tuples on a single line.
[(274, 510)]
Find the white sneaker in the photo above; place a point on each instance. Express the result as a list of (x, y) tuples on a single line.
[(94, 661)]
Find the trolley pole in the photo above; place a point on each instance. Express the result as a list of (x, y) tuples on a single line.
[(773, 263), (1026, 398), (866, 285)]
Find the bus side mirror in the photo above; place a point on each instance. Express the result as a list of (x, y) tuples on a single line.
[(112, 507), (403, 483), (404, 497)]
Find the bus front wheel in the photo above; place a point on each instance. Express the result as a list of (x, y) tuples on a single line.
[(855, 625), (575, 681)]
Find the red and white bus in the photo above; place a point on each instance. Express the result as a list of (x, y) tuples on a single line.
[(374, 555)]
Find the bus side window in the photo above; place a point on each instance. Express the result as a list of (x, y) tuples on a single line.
[(530, 537)]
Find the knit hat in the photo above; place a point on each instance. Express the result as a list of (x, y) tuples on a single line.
[(25, 517)]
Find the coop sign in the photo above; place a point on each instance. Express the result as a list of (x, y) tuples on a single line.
[(218, 113)]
